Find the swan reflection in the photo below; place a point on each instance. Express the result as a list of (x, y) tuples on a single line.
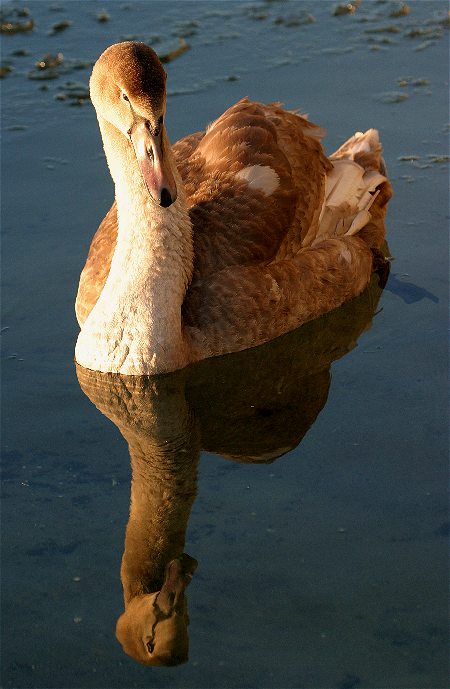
[(253, 406)]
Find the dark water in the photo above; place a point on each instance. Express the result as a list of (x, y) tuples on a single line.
[(328, 566)]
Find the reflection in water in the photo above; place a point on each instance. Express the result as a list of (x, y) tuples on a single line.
[(253, 406), (164, 442)]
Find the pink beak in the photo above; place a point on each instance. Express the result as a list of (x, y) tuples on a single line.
[(178, 575), (155, 169)]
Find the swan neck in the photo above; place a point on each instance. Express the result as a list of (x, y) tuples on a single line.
[(164, 461), (135, 327)]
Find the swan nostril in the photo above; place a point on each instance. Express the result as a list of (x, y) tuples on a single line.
[(166, 198)]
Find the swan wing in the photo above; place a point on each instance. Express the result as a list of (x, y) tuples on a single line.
[(97, 266), (255, 183)]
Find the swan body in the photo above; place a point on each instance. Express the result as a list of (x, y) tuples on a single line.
[(226, 240)]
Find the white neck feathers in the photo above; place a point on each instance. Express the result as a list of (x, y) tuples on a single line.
[(135, 327)]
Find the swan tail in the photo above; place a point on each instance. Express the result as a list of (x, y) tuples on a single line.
[(356, 192), (363, 148)]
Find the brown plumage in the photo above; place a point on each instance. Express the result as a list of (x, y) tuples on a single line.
[(268, 253)]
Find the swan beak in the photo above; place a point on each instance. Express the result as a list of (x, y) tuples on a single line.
[(178, 575), (155, 167)]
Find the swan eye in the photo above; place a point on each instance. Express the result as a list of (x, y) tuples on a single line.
[(125, 97), (150, 646)]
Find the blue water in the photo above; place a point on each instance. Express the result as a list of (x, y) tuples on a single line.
[(326, 568)]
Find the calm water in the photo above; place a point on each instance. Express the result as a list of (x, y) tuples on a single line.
[(326, 568)]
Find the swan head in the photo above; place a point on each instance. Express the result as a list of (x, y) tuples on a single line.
[(128, 90), (153, 628)]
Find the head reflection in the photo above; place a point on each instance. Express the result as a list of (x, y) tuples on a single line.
[(153, 628), (253, 406)]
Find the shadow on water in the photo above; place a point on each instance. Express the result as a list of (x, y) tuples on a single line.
[(253, 406)]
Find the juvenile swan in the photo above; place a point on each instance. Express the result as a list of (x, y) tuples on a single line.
[(224, 241)]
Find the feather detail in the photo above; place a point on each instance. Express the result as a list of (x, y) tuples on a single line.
[(351, 186)]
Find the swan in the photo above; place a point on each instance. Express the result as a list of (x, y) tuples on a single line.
[(226, 240)]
